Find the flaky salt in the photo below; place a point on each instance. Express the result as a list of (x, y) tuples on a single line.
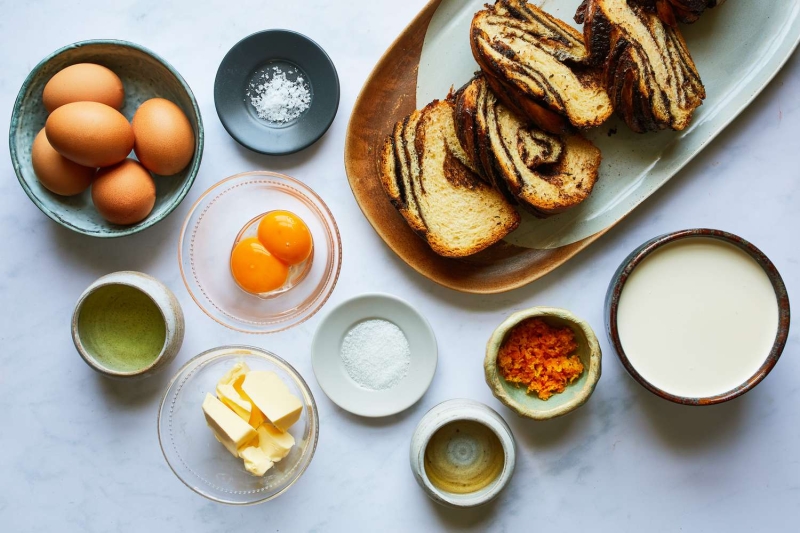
[(276, 98), (376, 354)]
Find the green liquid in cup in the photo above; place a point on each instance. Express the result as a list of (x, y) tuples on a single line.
[(121, 328)]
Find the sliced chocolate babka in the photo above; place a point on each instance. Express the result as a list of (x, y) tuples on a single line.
[(434, 185), (647, 70), (544, 172), (673, 11), (537, 65)]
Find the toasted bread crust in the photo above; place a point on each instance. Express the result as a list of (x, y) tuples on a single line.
[(647, 69), (538, 66), (444, 183)]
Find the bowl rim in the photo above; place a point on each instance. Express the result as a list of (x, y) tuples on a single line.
[(220, 75), (316, 353), (582, 395), (334, 232), (256, 352), (636, 257), (122, 231)]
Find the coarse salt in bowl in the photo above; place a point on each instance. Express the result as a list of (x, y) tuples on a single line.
[(355, 390)]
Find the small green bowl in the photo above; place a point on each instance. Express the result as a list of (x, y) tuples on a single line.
[(576, 394), (145, 76)]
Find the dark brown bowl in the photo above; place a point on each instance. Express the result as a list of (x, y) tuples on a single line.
[(638, 255)]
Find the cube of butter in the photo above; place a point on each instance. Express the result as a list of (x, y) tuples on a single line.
[(275, 443), (237, 371), (230, 397), (272, 397), (255, 460), (230, 430)]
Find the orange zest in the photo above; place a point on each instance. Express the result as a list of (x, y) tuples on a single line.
[(540, 357)]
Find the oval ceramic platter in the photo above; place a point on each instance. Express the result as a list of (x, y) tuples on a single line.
[(738, 48)]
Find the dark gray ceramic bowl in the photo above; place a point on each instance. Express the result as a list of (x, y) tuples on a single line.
[(145, 76), (641, 253), (246, 62)]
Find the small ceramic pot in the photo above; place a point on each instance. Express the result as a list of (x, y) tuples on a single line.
[(575, 395), (453, 411), (164, 300)]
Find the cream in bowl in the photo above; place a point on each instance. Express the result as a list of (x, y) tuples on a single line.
[(462, 453), (699, 316)]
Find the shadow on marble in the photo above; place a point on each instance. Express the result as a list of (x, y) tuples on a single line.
[(687, 429), (416, 411), (282, 163), (455, 519), (135, 394), (102, 256)]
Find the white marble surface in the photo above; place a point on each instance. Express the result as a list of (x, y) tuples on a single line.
[(80, 453)]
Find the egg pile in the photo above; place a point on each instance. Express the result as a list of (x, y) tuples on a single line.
[(261, 264), (86, 142)]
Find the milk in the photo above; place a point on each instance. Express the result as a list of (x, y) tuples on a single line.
[(697, 318)]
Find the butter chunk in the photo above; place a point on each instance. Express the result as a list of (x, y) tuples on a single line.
[(230, 430), (257, 417), (275, 443), (230, 397), (255, 460), (236, 373), (272, 397)]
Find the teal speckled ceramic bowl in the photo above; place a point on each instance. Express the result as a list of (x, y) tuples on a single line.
[(145, 76)]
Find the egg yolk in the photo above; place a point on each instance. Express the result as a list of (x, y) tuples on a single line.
[(255, 269), (286, 236)]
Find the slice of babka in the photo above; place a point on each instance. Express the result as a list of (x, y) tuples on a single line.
[(647, 69), (438, 190), (673, 11), (537, 65), (545, 173)]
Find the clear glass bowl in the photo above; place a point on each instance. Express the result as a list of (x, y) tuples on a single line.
[(212, 226), (202, 463)]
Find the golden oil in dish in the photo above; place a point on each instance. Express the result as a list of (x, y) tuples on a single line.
[(463, 457)]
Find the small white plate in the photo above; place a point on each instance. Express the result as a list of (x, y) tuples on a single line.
[(329, 367)]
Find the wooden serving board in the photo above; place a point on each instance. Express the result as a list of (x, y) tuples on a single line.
[(390, 93)]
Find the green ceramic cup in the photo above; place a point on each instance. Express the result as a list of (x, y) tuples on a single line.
[(127, 324), (576, 394), (145, 76)]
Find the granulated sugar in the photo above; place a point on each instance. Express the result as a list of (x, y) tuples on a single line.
[(279, 99), (376, 354)]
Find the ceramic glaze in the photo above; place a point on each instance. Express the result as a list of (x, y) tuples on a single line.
[(698, 317), (463, 457), (462, 471), (121, 319)]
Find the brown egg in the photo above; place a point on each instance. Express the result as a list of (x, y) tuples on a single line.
[(90, 134), (164, 137), (84, 82), (57, 173), (125, 193)]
